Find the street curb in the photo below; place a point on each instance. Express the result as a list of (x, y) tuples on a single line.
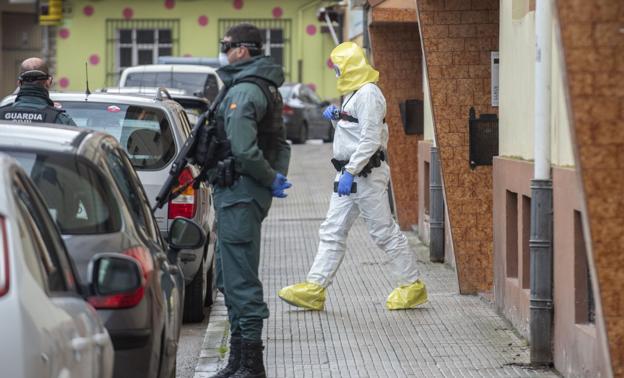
[(214, 352)]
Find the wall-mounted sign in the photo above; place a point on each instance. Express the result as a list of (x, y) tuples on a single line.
[(494, 81)]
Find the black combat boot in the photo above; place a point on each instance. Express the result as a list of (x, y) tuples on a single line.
[(234, 360), (252, 362)]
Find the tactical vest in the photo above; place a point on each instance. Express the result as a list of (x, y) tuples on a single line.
[(271, 125), (23, 114)]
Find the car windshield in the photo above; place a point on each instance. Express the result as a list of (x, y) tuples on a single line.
[(74, 191), (144, 132), (286, 90), (191, 82)]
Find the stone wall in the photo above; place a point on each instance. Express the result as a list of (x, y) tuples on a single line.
[(398, 57), (593, 43), (458, 37)]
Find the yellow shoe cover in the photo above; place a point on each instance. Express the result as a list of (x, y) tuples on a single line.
[(407, 296), (305, 295)]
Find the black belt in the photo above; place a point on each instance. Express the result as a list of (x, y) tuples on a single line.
[(373, 162), (345, 117)]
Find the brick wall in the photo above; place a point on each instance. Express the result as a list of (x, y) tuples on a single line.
[(458, 36), (593, 44), (397, 55)]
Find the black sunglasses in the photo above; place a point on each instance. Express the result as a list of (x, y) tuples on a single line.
[(228, 45)]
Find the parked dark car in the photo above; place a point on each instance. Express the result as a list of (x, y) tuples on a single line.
[(95, 197), (302, 114)]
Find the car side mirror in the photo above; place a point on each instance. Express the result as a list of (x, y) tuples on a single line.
[(185, 234), (116, 281)]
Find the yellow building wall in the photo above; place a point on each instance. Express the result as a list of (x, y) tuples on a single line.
[(83, 37), (517, 86)]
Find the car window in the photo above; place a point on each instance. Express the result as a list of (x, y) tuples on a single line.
[(306, 94), (130, 188), (49, 230), (27, 240), (144, 132), (47, 258), (74, 191), (285, 91), (211, 87), (193, 83)]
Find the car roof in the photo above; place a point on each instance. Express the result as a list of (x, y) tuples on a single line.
[(134, 99), (41, 136), (151, 92), (190, 68)]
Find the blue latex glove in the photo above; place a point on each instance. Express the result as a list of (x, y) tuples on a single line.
[(280, 183), (331, 113), (345, 183)]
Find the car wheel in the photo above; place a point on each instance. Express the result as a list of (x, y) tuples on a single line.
[(211, 287), (194, 298), (303, 134)]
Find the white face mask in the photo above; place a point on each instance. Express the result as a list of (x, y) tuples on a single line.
[(223, 59)]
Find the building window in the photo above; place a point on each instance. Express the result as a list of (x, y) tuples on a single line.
[(511, 233), (526, 239), (585, 309), (137, 42), (277, 38)]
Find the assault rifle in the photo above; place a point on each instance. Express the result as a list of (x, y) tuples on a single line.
[(200, 148)]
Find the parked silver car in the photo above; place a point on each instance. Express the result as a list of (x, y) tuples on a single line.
[(47, 327), (96, 199), (152, 129)]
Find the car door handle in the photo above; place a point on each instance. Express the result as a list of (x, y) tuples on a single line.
[(101, 339), (79, 344)]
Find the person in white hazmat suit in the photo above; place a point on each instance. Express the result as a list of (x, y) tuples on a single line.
[(360, 140)]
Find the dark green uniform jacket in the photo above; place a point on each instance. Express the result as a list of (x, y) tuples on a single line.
[(242, 207), (242, 109), (37, 97)]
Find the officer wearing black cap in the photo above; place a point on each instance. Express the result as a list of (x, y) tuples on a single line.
[(33, 103)]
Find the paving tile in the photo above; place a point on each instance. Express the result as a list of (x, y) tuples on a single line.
[(450, 336)]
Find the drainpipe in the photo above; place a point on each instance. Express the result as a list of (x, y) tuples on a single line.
[(436, 209), (540, 244)]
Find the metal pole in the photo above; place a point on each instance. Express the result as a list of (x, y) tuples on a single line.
[(540, 243), (436, 209)]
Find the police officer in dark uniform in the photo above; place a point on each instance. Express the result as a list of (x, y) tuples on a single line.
[(251, 116), (33, 103)]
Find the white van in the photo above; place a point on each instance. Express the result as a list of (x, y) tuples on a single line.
[(201, 81)]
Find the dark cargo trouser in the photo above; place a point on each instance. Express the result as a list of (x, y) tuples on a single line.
[(238, 259)]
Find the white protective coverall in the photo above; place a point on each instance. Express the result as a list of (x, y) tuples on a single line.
[(357, 142)]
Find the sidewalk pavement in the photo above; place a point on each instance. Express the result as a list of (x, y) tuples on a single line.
[(452, 335)]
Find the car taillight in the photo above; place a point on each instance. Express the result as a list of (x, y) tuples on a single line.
[(4, 258), (184, 204), (287, 110), (133, 298)]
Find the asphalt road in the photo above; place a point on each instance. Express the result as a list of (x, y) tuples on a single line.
[(191, 339)]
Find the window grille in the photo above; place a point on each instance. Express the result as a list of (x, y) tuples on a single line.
[(277, 36), (136, 42)]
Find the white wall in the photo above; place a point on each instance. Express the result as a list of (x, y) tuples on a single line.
[(516, 80), (428, 114)]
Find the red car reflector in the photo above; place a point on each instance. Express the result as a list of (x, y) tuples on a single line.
[(118, 301), (184, 204)]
